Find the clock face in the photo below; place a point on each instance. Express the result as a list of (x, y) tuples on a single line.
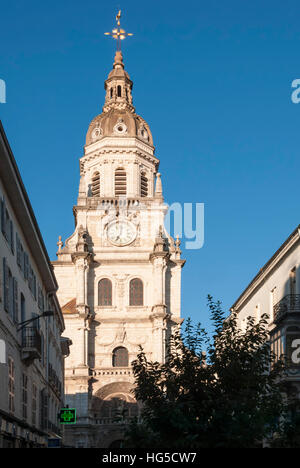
[(121, 232)]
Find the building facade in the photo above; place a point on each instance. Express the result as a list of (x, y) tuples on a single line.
[(275, 291), (119, 273), (31, 356)]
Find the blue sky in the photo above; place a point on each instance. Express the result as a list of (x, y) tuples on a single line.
[(213, 80)]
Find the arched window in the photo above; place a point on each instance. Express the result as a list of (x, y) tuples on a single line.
[(144, 185), (119, 91), (105, 292), (136, 292), (120, 182), (96, 185), (120, 357), (111, 93)]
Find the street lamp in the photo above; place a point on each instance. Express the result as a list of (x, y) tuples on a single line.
[(47, 313)]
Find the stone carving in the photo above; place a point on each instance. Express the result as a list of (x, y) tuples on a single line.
[(121, 334)]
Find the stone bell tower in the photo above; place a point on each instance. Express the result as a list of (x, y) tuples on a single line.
[(119, 273)]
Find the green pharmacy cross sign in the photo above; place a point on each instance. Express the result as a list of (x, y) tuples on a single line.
[(67, 416)]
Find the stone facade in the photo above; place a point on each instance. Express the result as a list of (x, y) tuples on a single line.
[(275, 291), (32, 354), (119, 273)]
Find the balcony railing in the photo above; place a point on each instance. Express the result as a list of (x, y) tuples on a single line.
[(54, 380), (54, 428), (290, 304), (110, 421), (31, 343)]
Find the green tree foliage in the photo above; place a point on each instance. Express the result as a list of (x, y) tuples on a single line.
[(222, 391)]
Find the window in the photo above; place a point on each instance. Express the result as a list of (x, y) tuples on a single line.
[(105, 292), (40, 299), (11, 385), (120, 182), (26, 266), (96, 185), (119, 90), (34, 404), (43, 409), (15, 311), (24, 395), (7, 226), (292, 346), (273, 301), (23, 309), (136, 292), (10, 292), (120, 357), (20, 253), (293, 281), (42, 358), (6, 276), (111, 93), (32, 281), (144, 185)]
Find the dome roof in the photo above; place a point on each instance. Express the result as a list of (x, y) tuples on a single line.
[(118, 122), (118, 118)]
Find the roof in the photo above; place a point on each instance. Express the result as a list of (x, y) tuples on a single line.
[(24, 213), (268, 267), (69, 307), (21, 205)]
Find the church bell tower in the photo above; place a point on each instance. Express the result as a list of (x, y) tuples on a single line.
[(119, 273)]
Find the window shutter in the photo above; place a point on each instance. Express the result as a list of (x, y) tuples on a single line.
[(11, 236), (144, 185), (96, 185), (18, 249), (2, 216), (11, 294), (26, 266), (120, 182), (15, 301), (22, 258), (5, 286), (6, 228)]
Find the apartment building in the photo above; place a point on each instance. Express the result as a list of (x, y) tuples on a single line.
[(31, 322), (275, 291)]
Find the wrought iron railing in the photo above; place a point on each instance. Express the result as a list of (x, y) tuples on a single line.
[(54, 428), (31, 339), (54, 380), (289, 304), (110, 421)]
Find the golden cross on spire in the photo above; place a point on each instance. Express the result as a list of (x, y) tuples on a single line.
[(118, 33)]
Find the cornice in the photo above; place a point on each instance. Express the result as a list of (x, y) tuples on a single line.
[(113, 152), (118, 142), (267, 269)]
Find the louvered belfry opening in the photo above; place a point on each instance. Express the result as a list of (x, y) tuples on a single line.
[(120, 182), (96, 184), (144, 185)]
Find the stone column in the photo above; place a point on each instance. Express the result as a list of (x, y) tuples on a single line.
[(81, 281)]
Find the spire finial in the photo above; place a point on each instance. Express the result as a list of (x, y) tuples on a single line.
[(118, 33)]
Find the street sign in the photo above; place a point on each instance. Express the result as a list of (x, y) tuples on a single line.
[(67, 416)]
